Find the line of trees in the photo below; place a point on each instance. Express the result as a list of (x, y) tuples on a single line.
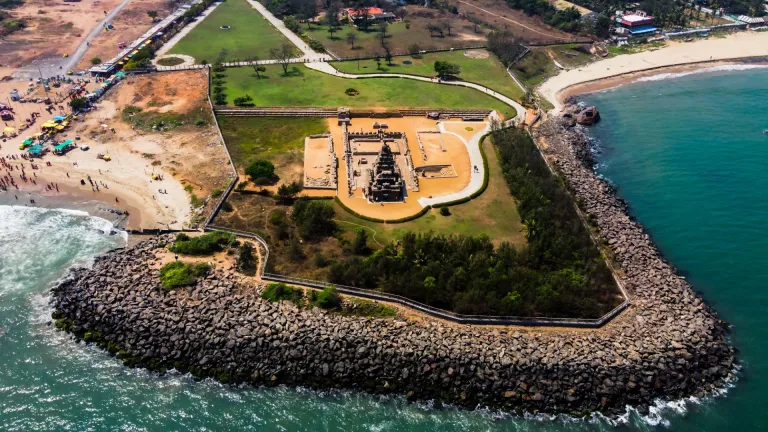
[(558, 273)]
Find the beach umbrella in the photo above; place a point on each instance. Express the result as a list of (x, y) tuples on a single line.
[(9, 129), (38, 135)]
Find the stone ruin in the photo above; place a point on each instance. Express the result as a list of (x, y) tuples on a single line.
[(385, 182)]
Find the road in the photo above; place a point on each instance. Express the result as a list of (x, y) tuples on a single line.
[(60, 65)]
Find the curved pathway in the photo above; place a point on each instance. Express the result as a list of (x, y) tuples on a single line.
[(327, 68), (309, 54), (475, 161)]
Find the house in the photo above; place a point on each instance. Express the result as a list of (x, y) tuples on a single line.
[(635, 24), (373, 13)]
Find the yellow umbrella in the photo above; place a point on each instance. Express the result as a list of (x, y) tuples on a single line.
[(38, 135), (9, 129)]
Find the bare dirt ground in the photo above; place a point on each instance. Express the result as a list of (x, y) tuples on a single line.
[(186, 155), (54, 28), (455, 154), (500, 16), (317, 163), (129, 24)]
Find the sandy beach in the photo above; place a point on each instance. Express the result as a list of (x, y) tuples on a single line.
[(676, 57), (151, 174)]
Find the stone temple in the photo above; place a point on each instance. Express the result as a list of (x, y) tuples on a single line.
[(385, 182)]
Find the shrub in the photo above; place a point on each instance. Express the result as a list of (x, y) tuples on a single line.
[(259, 169), (351, 92), (313, 218), (178, 274), (244, 101), (444, 211), (95, 61), (216, 193), (205, 244), (276, 292), (246, 262), (328, 298)]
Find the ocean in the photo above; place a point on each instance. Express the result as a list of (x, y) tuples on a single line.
[(687, 153)]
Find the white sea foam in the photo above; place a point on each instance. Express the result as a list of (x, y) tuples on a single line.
[(722, 68)]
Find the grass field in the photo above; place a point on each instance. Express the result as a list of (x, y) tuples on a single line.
[(486, 71), (277, 139), (250, 35), (572, 55), (534, 68), (401, 35), (494, 213), (307, 87)]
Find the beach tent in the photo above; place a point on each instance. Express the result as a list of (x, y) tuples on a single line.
[(58, 118), (36, 149), (9, 130), (28, 142)]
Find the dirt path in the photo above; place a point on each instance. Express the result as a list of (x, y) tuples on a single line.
[(362, 226), (514, 22)]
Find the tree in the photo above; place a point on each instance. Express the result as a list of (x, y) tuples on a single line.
[(446, 69), (414, 50), (287, 192), (377, 58), (351, 39), (382, 32), (313, 218), (476, 23), (332, 14), (152, 14), (447, 26), (283, 55), (360, 243), (363, 18), (246, 262), (257, 68), (260, 169), (434, 28), (291, 23), (332, 30), (388, 55), (79, 103), (95, 61)]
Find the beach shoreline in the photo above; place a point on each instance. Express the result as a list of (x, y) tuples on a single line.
[(744, 48)]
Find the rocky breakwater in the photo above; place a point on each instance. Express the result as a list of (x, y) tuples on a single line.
[(668, 345)]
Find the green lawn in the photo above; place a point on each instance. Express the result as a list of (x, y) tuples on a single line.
[(486, 71), (277, 139), (307, 87), (534, 68), (494, 213), (572, 55), (250, 35)]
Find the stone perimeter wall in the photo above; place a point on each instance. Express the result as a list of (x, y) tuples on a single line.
[(669, 344)]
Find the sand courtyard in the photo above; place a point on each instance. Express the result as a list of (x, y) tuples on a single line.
[(433, 159)]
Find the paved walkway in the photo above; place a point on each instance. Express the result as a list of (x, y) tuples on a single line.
[(327, 68), (475, 160), (309, 53)]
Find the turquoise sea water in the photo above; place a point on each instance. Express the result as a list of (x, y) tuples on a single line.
[(689, 156)]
